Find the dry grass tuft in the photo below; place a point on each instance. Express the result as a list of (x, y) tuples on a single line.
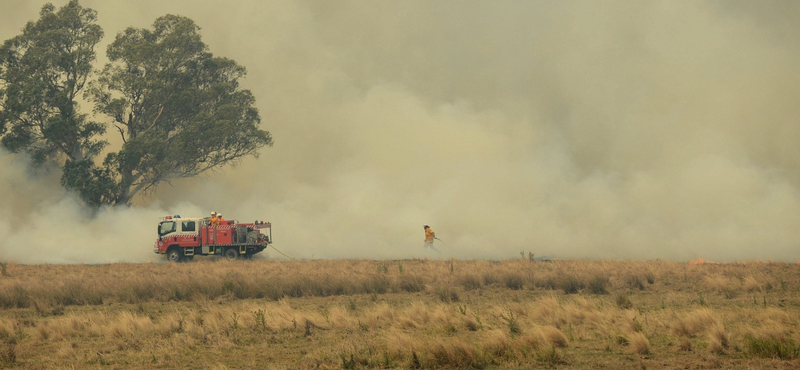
[(718, 340), (555, 336), (638, 343), (454, 353), (750, 284), (497, 343), (729, 287), (685, 344), (695, 323)]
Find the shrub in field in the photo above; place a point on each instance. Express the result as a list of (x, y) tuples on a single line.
[(514, 281), (377, 284), (634, 282), (598, 284), (570, 284), (471, 282), (512, 321), (650, 278), (771, 347), (447, 294), (489, 278), (411, 283), (16, 296)]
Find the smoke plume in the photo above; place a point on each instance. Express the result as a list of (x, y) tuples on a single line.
[(581, 129)]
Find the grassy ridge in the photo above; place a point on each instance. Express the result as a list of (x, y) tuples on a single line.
[(400, 314)]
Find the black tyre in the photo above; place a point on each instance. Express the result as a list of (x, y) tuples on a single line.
[(174, 255), (231, 254)]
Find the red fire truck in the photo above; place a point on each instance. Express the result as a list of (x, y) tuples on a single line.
[(180, 239)]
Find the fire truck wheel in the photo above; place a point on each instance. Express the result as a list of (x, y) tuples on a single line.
[(231, 254), (174, 255)]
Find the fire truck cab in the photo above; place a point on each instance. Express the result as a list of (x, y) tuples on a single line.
[(183, 238)]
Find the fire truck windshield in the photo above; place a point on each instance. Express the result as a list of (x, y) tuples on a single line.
[(166, 227)]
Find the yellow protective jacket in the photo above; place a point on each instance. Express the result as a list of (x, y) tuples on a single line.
[(214, 220), (429, 235)]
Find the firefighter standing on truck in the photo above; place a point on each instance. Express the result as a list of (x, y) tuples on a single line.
[(429, 236), (214, 220)]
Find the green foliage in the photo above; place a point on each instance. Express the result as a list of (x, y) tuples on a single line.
[(178, 108), (782, 348), (513, 323), (261, 320), (95, 185), (42, 71)]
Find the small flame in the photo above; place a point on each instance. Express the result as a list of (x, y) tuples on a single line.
[(701, 261)]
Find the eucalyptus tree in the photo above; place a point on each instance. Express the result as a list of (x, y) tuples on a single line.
[(179, 110), (42, 74)]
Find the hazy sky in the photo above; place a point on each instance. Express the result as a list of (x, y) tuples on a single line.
[(573, 129)]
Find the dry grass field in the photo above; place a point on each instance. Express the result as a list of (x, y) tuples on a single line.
[(358, 314)]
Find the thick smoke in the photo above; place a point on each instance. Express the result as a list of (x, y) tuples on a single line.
[(578, 129)]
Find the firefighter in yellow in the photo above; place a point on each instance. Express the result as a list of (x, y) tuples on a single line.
[(214, 219), (429, 237)]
